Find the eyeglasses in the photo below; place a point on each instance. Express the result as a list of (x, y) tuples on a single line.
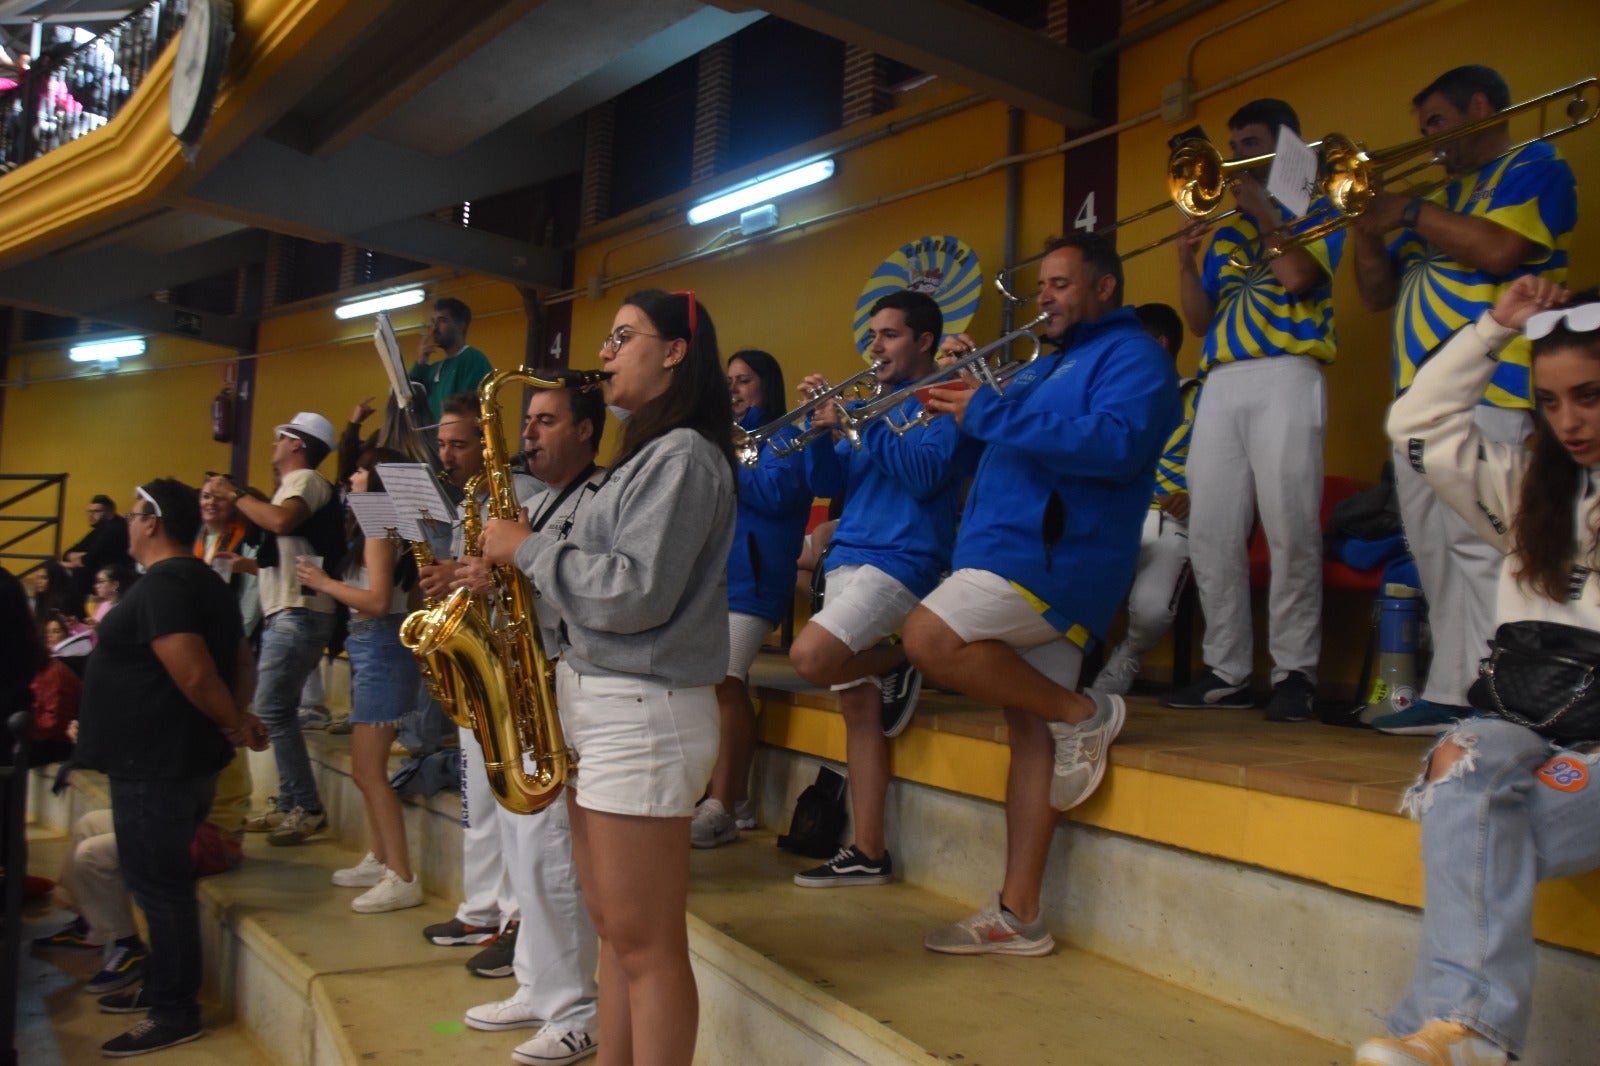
[(621, 335), (131, 515), (1585, 318)]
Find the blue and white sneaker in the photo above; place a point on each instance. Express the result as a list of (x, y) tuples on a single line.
[(1423, 718)]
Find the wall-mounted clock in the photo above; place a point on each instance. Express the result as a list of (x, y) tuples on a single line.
[(198, 67)]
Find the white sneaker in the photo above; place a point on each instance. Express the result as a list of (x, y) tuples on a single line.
[(364, 874), (712, 825), (389, 894), (744, 814), (1117, 675), (554, 1046), (510, 1013), (1081, 750)]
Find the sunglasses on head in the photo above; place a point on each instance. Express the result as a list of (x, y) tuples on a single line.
[(1584, 318)]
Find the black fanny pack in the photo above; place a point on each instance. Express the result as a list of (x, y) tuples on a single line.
[(1545, 676)]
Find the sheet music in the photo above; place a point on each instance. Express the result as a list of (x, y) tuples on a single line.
[(416, 493), (378, 518), (1292, 181), (393, 365)]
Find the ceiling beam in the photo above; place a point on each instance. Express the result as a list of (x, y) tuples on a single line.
[(962, 42), (473, 250), (373, 183), (152, 316)]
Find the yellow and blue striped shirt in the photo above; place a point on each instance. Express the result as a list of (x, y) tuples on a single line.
[(1530, 191), (1253, 315), (1172, 468)]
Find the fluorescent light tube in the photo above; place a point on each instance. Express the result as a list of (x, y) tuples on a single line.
[(110, 349), (767, 188), (371, 305)]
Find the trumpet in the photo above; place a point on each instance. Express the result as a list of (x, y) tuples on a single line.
[(747, 443), (975, 362)]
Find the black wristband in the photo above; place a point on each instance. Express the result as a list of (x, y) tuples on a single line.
[(1408, 217)]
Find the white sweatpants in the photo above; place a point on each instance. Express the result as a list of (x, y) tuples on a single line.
[(486, 896), (1157, 584), (1459, 569), (91, 880), (1257, 446), (557, 950)]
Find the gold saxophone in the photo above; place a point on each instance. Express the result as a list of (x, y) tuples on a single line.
[(492, 663)]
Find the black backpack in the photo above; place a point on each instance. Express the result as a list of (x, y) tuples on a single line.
[(819, 817)]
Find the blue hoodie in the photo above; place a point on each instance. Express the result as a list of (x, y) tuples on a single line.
[(769, 529), (1061, 492), (904, 494)]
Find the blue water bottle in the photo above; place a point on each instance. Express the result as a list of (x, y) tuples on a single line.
[(1399, 623)]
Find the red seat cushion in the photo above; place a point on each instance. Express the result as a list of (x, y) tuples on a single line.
[(1335, 488)]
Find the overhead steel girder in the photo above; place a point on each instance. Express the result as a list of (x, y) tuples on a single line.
[(964, 43)]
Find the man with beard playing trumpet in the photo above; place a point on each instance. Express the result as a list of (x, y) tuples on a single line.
[(1047, 547)]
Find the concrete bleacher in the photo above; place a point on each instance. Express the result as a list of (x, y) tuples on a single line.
[(1235, 893)]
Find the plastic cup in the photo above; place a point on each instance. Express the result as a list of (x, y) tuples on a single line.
[(314, 560), (224, 568)]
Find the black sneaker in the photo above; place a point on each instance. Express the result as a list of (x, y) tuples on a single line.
[(1293, 699), (150, 1035), (458, 934), (900, 689), (129, 1002), (495, 960), (1211, 691), (124, 965), (849, 867), (74, 937)]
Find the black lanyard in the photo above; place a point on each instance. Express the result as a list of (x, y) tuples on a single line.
[(573, 486)]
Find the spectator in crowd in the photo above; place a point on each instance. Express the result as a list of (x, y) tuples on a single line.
[(104, 544), (110, 583), (162, 711), (446, 364), (50, 591), (67, 638), (229, 545)]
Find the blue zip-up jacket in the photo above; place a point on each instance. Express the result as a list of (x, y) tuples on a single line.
[(769, 529), (904, 494), (1061, 492)]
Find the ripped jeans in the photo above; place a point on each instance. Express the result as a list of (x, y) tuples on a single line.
[(1514, 810)]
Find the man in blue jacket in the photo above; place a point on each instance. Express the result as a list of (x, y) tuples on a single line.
[(892, 543), (1047, 547)]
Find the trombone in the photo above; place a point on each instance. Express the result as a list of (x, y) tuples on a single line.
[(1197, 179), (747, 443), (1351, 177), (851, 420)]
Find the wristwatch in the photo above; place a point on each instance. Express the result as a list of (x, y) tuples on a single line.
[(1408, 217)]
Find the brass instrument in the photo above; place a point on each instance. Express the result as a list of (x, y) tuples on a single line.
[(747, 443), (1350, 176), (974, 362), (503, 684)]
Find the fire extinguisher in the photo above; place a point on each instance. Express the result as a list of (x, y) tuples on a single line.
[(222, 415)]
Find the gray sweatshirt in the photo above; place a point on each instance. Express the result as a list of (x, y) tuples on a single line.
[(641, 579)]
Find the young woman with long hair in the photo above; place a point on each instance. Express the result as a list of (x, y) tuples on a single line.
[(769, 531), (1501, 806), (378, 576), (640, 584)]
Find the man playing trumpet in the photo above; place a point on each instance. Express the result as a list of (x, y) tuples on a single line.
[(1046, 550), (891, 545)]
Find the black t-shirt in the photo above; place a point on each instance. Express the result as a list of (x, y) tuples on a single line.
[(134, 721)]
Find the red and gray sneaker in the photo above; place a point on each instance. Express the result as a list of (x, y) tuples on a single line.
[(458, 934), (992, 931)]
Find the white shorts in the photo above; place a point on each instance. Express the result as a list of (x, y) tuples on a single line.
[(863, 606), (982, 605), (643, 748), (746, 634)]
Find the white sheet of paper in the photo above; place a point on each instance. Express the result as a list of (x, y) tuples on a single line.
[(394, 366), (1292, 181), (376, 513), (416, 493)]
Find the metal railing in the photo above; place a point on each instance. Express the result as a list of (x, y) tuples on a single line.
[(71, 90), (43, 522)]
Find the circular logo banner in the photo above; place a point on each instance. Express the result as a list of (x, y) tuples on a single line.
[(944, 268)]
